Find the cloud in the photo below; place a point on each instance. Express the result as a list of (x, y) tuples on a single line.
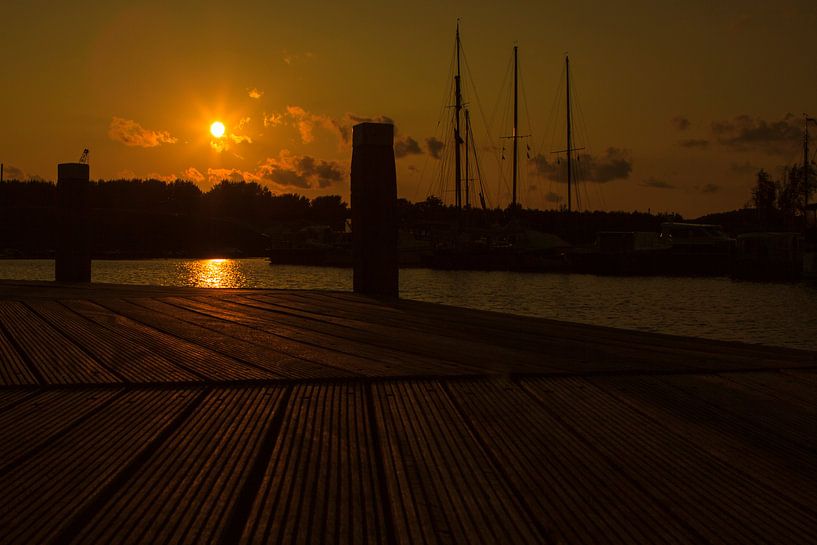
[(131, 133), (10, 172), (657, 184), (615, 164), (698, 143), (406, 146), (435, 147), (745, 133), (216, 175), (300, 171), (708, 188), (744, 168), (192, 174), (273, 120), (306, 122), (553, 197), (290, 58), (255, 93), (681, 122), (243, 122)]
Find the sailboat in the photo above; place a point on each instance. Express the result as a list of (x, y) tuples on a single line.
[(466, 246)]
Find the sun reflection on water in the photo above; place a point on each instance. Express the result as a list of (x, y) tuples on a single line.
[(212, 273)]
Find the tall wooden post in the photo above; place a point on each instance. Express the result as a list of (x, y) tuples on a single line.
[(73, 263), (374, 204)]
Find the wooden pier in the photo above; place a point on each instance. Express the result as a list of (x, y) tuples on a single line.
[(168, 415)]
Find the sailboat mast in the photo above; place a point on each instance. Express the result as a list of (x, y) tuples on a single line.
[(457, 140), (467, 145), (515, 123), (569, 140), (805, 163)]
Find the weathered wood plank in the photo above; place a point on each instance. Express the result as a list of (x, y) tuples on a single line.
[(572, 490), (39, 419), (372, 361), (193, 358), (442, 486), (13, 369), (184, 492), (130, 360), (748, 448), (56, 359), (714, 498), (320, 485), (477, 355), (42, 496), (280, 355)]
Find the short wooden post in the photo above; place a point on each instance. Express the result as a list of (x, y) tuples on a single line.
[(374, 203), (73, 263)]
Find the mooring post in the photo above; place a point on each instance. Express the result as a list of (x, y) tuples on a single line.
[(374, 203), (73, 263)]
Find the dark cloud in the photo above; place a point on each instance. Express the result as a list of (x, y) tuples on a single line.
[(657, 184), (699, 143), (744, 168), (708, 188), (286, 177), (302, 172), (681, 122), (406, 146), (747, 133), (344, 126), (11, 172), (434, 147), (553, 197), (615, 164)]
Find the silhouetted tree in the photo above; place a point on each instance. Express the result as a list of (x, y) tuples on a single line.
[(764, 198), (330, 210)]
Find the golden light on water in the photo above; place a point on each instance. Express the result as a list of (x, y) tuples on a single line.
[(213, 273)]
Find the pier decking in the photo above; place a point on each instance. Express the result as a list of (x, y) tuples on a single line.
[(168, 415)]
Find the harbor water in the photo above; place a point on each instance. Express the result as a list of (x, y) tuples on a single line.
[(714, 308)]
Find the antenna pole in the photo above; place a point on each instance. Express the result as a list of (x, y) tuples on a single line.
[(569, 140), (515, 122), (457, 140)]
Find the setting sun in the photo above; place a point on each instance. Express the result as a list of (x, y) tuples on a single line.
[(217, 129)]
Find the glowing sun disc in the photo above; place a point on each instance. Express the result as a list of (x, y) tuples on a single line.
[(217, 129)]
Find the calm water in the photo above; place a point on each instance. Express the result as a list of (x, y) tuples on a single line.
[(717, 308)]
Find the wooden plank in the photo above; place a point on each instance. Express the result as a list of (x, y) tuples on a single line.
[(39, 419), (184, 493), (788, 471), (10, 398), (204, 363), (572, 490), (717, 500), (574, 347), (237, 363), (130, 360), (275, 354), (56, 359), (13, 369), (43, 494), (320, 485), (790, 424), (478, 354), (442, 486), (372, 361)]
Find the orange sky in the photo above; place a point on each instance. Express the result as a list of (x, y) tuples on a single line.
[(680, 102)]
